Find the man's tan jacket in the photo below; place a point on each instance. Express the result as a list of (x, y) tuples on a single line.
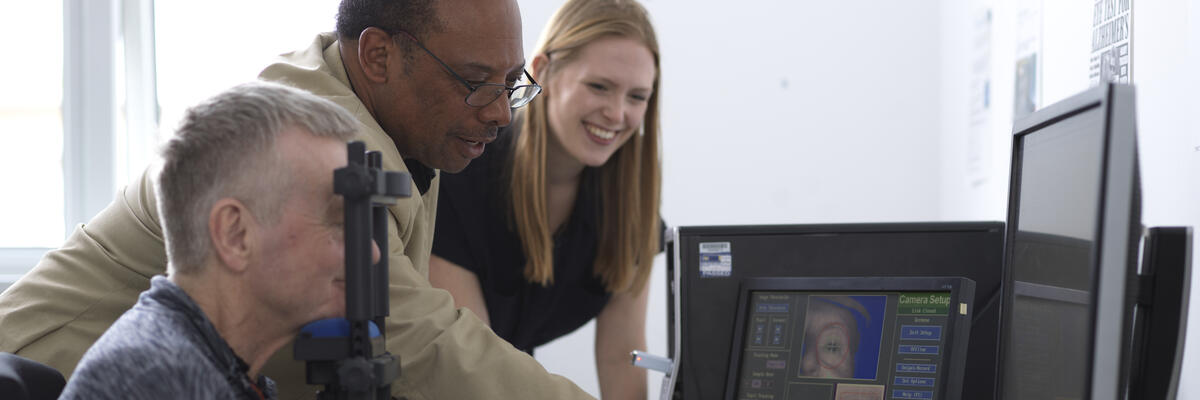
[(62, 306)]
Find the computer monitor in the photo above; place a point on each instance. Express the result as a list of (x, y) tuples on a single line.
[(1160, 317), (850, 338), (706, 264), (1071, 252)]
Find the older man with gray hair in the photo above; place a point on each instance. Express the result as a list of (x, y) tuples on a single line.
[(254, 247)]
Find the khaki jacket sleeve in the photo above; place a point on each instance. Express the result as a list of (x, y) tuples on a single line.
[(58, 309), (448, 353)]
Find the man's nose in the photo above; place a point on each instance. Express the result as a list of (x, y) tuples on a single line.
[(375, 253), (497, 112)]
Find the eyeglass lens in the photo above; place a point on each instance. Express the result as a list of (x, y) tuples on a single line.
[(487, 93)]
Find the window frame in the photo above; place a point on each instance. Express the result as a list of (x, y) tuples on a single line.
[(109, 102)]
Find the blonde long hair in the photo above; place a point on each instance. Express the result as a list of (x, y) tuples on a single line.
[(629, 182)]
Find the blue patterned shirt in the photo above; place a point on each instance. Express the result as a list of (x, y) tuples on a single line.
[(164, 348)]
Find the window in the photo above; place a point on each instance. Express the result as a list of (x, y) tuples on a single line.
[(31, 125), (166, 53), (205, 47), (71, 115), (32, 208), (85, 107)]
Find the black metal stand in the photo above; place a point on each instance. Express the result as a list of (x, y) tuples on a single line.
[(349, 356)]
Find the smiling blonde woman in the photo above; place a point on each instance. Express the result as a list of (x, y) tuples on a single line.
[(557, 223)]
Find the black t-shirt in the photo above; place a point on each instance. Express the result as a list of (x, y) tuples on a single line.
[(474, 231)]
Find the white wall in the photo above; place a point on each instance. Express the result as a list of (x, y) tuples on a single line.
[(783, 112), (1166, 52)]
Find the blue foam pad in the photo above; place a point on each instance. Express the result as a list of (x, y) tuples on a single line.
[(335, 327)]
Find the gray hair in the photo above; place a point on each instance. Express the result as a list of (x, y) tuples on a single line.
[(224, 148)]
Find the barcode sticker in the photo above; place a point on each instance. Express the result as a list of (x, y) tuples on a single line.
[(716, 260)]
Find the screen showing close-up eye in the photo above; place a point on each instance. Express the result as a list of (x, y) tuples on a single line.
[(836, 345)]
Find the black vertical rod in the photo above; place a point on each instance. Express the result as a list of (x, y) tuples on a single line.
[(358, 238), (379, 223)]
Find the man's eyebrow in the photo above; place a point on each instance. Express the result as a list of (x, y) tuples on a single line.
[(477, 67), (518, 73)]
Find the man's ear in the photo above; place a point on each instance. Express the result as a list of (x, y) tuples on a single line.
[(231, 228), (539, 68), (374, 48)]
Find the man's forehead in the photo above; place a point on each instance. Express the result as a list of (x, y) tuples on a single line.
[(311, 159), (479, 34), (503, 13), (474, 68), (321, 188)]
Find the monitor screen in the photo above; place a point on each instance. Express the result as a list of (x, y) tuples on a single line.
[(1053, 246), (1072, 225), (810, 343)]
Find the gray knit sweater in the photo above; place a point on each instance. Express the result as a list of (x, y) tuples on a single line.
[(164, 348)]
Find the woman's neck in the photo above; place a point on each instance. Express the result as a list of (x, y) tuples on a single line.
[(562, 169), (563, 172)]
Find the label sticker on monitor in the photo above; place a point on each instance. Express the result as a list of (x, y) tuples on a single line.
[(716, 260)]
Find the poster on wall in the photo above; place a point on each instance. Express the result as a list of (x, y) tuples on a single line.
[(980, 97), (1111, 55), (1027, 95)]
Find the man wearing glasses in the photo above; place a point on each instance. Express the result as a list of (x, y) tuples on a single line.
[(423, 112)]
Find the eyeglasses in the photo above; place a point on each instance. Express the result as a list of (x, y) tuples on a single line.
[(485, 93)]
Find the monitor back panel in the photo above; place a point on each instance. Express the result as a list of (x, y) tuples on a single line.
[(711, 261)]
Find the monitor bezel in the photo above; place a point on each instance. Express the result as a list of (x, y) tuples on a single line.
[(1116, 236), (962, 292)]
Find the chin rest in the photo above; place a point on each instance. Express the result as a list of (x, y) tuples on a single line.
[(329, 340), (333, 327)]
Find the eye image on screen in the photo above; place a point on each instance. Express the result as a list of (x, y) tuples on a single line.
[(842, 335)]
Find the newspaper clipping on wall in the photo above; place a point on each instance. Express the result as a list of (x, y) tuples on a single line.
[(1111, 55), (1027, 95), (980, 98)]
